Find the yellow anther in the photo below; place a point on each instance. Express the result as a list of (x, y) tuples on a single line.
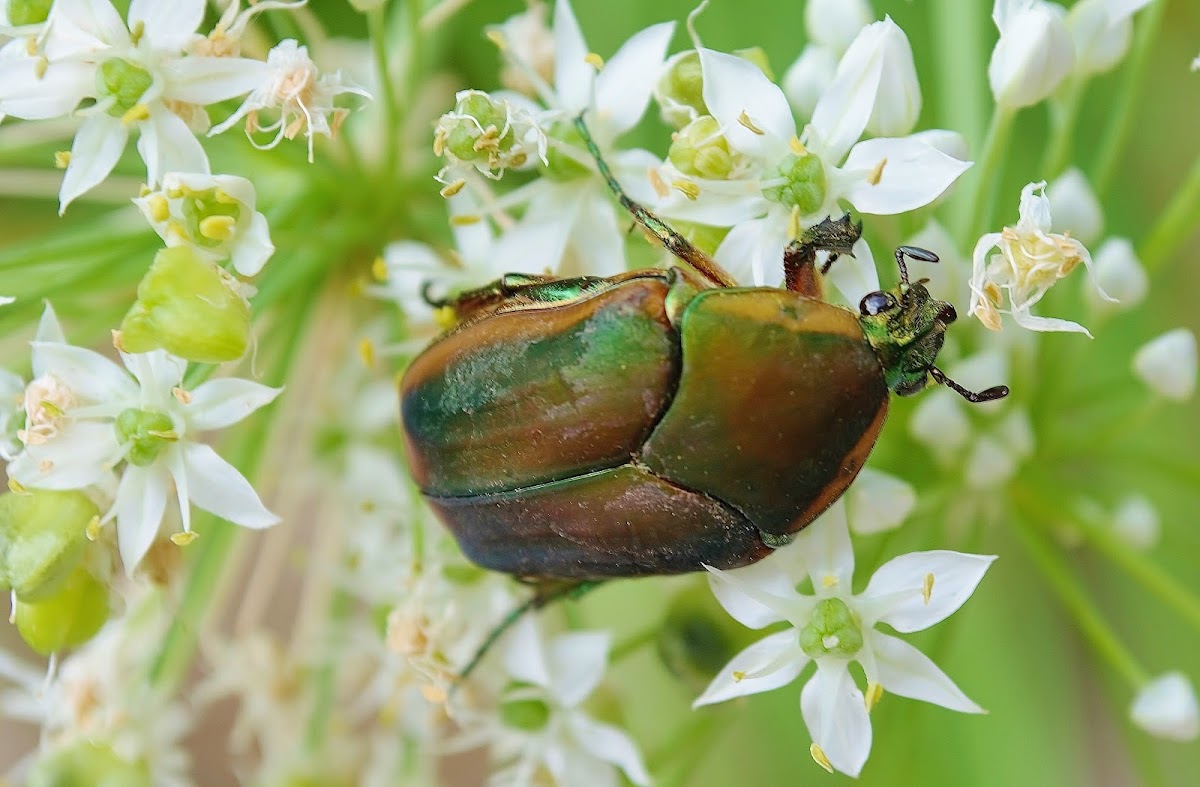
[(181, 396), (818, 755), (439, 143), (136, 114), (137, 31), (829, 580), (366, 351), (745, 120), (224, 197), (453, 188), (657, 183), (52, 410), (594, 60), (118, 341), (179, 192), (876, 174), (497, 38), (178, 230), (145, 191), (219, 228), (927, 588), (184, 538), (15, 487), (163, 434), (874, 694), (379, 270), (62, 158), (433, 694), (159, 207), (92, 530), (31, 46), (793, 229), (39, 67), (686, 187), (797, 147), (738, 676), (465, 220)]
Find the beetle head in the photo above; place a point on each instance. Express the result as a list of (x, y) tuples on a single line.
[(906, 326)]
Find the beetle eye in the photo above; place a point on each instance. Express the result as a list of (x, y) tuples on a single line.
[(875, 303), (947, 314)]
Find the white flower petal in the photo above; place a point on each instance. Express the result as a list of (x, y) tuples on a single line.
[(855, 275), (49, 329), (1034, 54), (889, 176), (157, 372), (1166, 707), (168, 26), (904, 670), (826, 544), (625, 83), (752, 252), (806, 79), (207, 80), (1119, 272), (610, 745), (543, 232), (733, 87), (877, 502), (573, 74), (721, 203), (576, 662), (253, 247), (140, 504), (90, 376), (98, 144), (1136, 522), (167, 145), (835, 24), (55, 93), (525, 655), (1167, 364), (758, 598), (846, 105), (223, 402), (77, 457), (597, 245), (1031, 322), (895, 594), (836, 716), (218, 487), (781, 649)]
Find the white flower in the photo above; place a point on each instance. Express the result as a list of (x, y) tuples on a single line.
[(806, 79), (834, 24), (526, 39), (1031, 260), (783, 183), (570, 224), (85, 415), (138, 80), (1101, 30), (1167, 364), (1120, 273), (1034, 54), (835, 627), (541, 727), (225, 40), (1076, 207), (212, 214), (877, 501), (1166, 707), (304, 98), (489, 134), (1136, 522), (898, 102)]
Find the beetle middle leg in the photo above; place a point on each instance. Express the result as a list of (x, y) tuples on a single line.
[(800, 256)]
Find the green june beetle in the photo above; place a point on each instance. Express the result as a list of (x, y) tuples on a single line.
[(572, 430)]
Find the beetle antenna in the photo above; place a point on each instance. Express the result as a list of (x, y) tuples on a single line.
[(989, 395), (678, 245), (542, 596), (917, 253), (427, 296)]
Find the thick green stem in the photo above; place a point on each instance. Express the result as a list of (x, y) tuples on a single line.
[(1121, 108), (377, 25), (1091, 623), (985, 179), (962, 55), (1064, 112), (1178, 222)]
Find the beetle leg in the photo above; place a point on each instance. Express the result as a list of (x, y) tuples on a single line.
[(800, 256), (800, 269)]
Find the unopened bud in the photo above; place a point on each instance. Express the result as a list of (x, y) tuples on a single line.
[(188, 307), (699, 149), (1136, 522), (1167, 365), (67, 618), (877, 502), (833, 24), (680, 90), (1035, 53), (1076, 208), (1119, 272), (1166, 707), (806, 79), (42, 538)]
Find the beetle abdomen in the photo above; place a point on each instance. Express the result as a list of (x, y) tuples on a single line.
[(779, 402), (533, 396)]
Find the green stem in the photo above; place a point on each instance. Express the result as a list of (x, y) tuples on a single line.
[(986, 178), (1064, 112), (961, 54), (688, 746), (1072, 596), (377, 27), (634, 643), (1121, 109), (1178, 222)]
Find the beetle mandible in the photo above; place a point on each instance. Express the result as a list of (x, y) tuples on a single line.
[(571, 430)]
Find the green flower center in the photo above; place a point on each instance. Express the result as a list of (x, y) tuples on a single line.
[(210, 216), (832, 630), (700, 150), (466, 142), (804, 183), (528, 715), (124, 82), (560, 165), (147, 434), (685, 82), (28, 12)]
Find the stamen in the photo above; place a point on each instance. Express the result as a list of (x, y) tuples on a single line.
[(453, 188), (793, 229), (745, 120), (160, 208), (92, 530), (738, 676), (876, 174), (687, 188), (219, 228), (366, 351), (379, 269), (594, 60), (62, 158), (181, 396), (184, 538), (797, 146), (657, 183), (874, 694), (465, 220), (927, 588), (136, 114), (829, 580), (818, 755)]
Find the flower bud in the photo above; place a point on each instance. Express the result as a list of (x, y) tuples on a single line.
[(214, 215), (1166, 707), (1075, 207), (1120, 274), (1167, 365), (1034, 54), (67, 618), (939, 423), (42, 537), (806, 79), (990, 464), (87, 762), (680, 90), (898, 100), (1102, 30), (698, 638), (490, 134), (833, 24), (699, 149), (1136, 522), (188, 307), (878, 501)]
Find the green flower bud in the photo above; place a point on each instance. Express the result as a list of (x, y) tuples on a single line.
[(123, 81), (805, 186), (698, 637), (684, 82), (86, 762), (147, 433), (559, 164), (832, 630), (42, 537), (529, 715), (28, 12), (758, 56), (189, 308), (463, 137), (67, 618), (699, 149)]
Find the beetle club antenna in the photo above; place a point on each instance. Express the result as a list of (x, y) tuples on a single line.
[(989, 395), (678, 245), (925, 255)]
